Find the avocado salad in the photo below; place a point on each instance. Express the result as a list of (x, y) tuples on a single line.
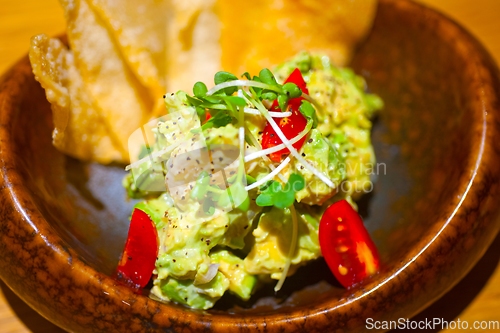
[(237, 178)]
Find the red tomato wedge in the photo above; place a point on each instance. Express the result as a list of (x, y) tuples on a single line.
[(141, 249), (346, 245), (290, 126)]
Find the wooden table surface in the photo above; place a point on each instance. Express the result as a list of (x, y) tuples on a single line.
[(476, 298)]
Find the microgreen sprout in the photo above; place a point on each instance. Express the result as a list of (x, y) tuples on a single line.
[(200, 89), (273, 194), (309, 112)]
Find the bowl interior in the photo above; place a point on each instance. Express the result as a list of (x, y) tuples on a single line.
[(422, 141)]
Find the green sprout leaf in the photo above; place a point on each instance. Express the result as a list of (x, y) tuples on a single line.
[(200, 89), (221, 119), (269, 95), (309, 112), (201, 112), (221, 77), (238, 101), (297, 182), (264, 200), (193, 101), (292, 90), (266, 76), (273, 194), (283, 102), (213, 99), (246, 75)]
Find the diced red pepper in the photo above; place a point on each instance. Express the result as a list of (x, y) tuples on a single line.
[(346, 245), (290, 126), (139, 256)]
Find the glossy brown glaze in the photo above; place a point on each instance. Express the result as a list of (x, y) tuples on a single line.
[(433, 213)]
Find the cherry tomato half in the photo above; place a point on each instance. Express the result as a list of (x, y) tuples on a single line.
[(346, 245), (290, 126), (139, 256)]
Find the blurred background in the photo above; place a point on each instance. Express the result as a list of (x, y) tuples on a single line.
[(475, 298)]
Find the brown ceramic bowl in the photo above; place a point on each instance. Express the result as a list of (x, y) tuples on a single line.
[(433, 212)]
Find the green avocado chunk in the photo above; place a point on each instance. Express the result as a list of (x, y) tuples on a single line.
[(328, 160), (241, 283), (198, 297), (203, 234), (272, 242)]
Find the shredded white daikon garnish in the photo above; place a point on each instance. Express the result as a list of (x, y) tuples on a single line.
[(240, 83), (271, 150), (270, 176), (271, 113), (265, 158), (241, 135), (294, 151), (291, 251), (240, 94)]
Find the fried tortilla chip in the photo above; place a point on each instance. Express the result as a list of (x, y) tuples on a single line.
[(264, 33), (80, 131), (237, 36), (193, 36), (126, 53), (118, 94), (140, 29)]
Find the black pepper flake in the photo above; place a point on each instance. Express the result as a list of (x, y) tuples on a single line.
[(245, 227), (226, 226), (175, 123), (202, 239), (185, 298), (188, 159), (129, 258), (272, 135), (237, 265), (164, 96), (173, 260), (232, 172), (310, 141), (303, 155), (220, 159), (183, 197)]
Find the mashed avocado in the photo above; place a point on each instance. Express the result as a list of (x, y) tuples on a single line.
[(215, 239)]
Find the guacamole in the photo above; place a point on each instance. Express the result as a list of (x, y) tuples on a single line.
[(215, 239)]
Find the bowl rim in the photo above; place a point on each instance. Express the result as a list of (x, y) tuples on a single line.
[(23, 208)]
